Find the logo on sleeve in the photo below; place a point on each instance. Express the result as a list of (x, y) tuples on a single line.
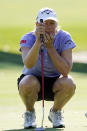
[(23, 42), (68, 42)]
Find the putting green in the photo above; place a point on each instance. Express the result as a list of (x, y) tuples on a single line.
[(12, 108)]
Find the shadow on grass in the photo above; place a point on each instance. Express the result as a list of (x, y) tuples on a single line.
[(46, 129), (79, 67), (16, 59), (6, 57)]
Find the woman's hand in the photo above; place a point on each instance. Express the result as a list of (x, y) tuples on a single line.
[(40, 29), (48, 36), (49, 39)]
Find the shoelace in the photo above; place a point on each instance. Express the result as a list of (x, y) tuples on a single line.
[(28, 116), (58, 115)]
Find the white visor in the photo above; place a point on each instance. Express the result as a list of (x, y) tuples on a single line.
[(46, 14)]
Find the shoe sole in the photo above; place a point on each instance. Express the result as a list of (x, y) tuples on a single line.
[(60, 126), (29, 127)]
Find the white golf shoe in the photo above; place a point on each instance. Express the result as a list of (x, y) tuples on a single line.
[(56, 118), (29, 120), (86, 114)]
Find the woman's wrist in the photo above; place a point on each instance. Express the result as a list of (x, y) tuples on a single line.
[(50, 47), (37, 43)]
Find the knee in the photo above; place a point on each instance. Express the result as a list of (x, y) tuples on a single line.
[(28, 85), (69, 86), (66, 84)]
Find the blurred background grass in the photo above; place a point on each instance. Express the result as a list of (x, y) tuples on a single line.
[(17, 17)]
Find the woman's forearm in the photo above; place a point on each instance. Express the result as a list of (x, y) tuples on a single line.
[(60, 63), (32, 56)]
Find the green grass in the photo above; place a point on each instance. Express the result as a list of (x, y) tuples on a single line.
[(21, 12), (10, 37), (12, 108), (17, 17)]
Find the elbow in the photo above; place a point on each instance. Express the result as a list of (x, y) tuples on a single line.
[(28, 65), (66, 70), (65, 73)]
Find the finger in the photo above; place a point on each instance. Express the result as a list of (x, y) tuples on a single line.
[(45, 39), (47, 36), (41, 25), (40, 30), (52, 36)]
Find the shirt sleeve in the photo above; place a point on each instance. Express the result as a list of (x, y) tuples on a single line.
[(67, 43), (27, 41)]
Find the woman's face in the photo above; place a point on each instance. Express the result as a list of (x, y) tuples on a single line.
[(50, 26)]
